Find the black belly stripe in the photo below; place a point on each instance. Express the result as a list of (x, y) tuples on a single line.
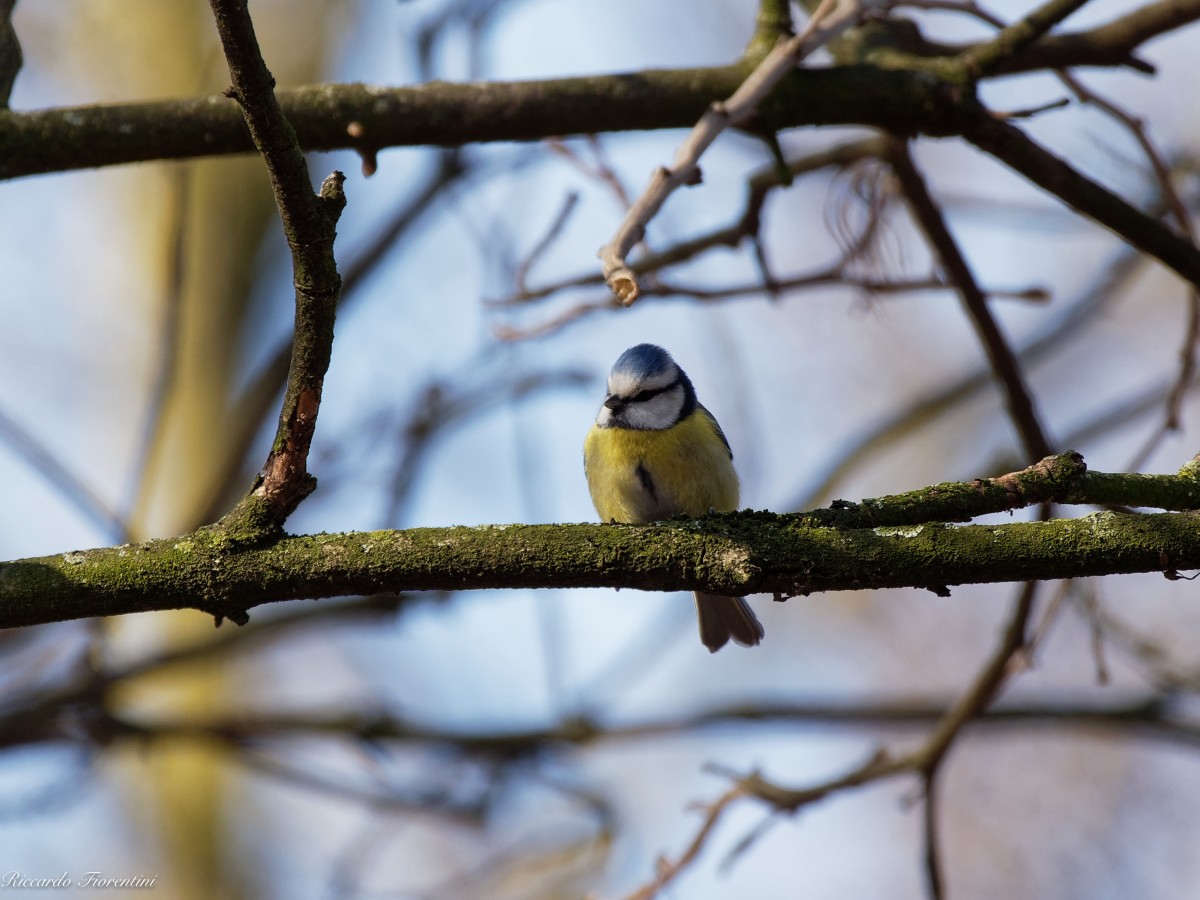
[(647, 482)]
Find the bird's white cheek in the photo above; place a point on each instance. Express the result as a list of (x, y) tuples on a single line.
[(658, 413), (604, 417)]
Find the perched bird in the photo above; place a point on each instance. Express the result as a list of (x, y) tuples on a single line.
[(655, 452)]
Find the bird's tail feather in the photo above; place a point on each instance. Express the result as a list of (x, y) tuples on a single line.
[(722, 618)]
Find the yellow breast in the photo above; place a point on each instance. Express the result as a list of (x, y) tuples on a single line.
[(641, 476)]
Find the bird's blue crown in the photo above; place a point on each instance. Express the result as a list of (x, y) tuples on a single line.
[(643, 361)]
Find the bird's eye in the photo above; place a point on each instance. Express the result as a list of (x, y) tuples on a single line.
[(651, 393)]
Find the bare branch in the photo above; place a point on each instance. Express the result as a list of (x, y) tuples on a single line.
[(1013, 147), (253, 405), (934, 878), (780, 287), (56, 473), (11, 58), (547, 240), (829, 20), (308, 224), (1004, 364), (1011, 41), (1112, 44), (442, 114), (669, 870)]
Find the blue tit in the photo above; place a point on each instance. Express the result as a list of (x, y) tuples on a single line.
[(656, 452)]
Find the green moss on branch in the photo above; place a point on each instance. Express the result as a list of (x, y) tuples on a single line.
[(736, 553)]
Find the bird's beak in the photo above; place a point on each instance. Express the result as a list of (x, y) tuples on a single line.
[(612, 401)]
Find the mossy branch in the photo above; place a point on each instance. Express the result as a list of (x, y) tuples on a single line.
[(1011, 41), (905, 92), (874, 544), (895, 95)]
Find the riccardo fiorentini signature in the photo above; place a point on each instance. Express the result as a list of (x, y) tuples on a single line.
[(99, 880)]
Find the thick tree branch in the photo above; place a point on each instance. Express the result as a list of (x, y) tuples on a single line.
[(738, 553), (364, 117), (897, 42), (933, 100), (1059, 479), (437, 113)]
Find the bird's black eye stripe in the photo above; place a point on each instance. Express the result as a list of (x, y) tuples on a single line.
[(643, 396)]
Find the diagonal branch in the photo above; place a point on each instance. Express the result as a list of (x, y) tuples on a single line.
[(59, 476), (308, 224), (1017, 150), (1013, 40), (828, 21), (926, 760), (1003, 361), (1111, 44), (252, 406)]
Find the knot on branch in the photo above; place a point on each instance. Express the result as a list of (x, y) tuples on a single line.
[(1050, 479), (332, 197)]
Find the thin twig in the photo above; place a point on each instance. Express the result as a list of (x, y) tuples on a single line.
[(779, 286), (553, 233), (601, 170), (828, 21), (668, 870), (1049, 616), (253, 405), (308, 224), (934, 877), (71, 486), (747, 225), (442, 406), (987, 683), (1090, 604)]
